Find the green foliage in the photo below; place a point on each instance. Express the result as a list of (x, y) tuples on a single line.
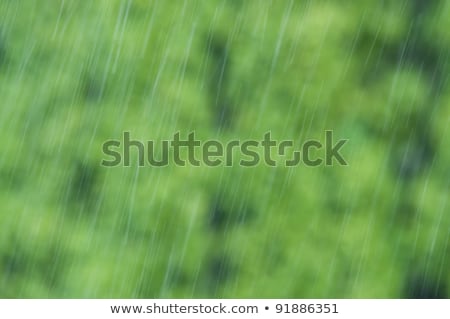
[(74, 74)]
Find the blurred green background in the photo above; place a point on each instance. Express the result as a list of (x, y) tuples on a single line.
[(74, 74)]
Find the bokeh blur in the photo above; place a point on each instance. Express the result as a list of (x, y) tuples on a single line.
[(74, 74)]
